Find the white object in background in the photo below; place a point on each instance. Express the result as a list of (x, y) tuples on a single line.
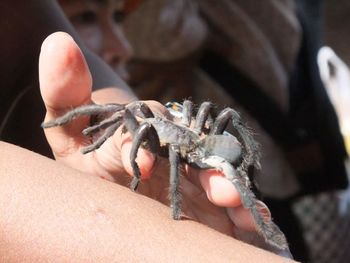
[(335, 75)]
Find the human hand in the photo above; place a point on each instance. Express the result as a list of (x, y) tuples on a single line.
[(65, 83)]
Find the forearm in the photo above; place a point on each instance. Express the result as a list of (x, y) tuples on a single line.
[(51, 212)]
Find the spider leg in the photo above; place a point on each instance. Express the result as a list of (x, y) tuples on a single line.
[(202, 116), (251, 156), (97, 144), (175, 197), (138, 138), (265, 226), (115, 118), (144, 132), (132, 125), (139, 133), (91, 109), (187, 108)]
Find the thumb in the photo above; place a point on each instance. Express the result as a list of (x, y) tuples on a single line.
[(65, 83)]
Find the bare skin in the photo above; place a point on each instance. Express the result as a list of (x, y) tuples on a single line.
[(56, 214)]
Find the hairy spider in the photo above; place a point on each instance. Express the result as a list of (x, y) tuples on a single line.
[(199, 141)]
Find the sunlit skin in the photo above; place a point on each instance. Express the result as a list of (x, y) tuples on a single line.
[(99, 24)]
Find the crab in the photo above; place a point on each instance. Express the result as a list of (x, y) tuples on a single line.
[(198, 140)]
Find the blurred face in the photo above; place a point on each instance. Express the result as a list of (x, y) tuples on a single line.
[(99, 24)]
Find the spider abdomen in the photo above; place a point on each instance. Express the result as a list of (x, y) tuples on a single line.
[(225, 146)]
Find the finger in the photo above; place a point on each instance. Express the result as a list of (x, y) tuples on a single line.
[(145, 159), (219, 190), (242, 218), (63, 73), (112, 95), (65, 83)]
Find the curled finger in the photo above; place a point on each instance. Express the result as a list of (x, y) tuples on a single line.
[(219, 190), (145, 160)]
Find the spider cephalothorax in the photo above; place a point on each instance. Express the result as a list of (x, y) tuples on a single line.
[(200, 141)]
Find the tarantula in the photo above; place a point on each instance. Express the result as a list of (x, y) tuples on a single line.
[(199, 141)]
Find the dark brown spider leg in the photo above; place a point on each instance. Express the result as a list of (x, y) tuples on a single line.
[(187, 108), (130, 122), (97, 144), (115, 118), (265, 226), (145, 132), (251, 156), (202, 116), (139, 134), (137, 140), (91, 109), (131, 125), (175, 197)]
